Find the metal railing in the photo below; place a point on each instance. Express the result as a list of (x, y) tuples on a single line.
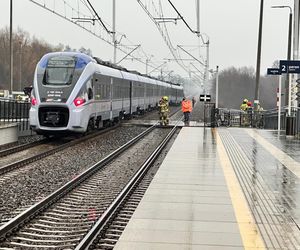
[(14, 111), (271, 118), (238, 118), (266, 119)]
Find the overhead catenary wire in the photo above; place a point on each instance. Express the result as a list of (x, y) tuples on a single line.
[(90, 11), (99, 19), (181, 18), (161, 26)]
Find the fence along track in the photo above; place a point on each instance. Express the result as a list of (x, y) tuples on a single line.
[(277, 229), (66, 222)]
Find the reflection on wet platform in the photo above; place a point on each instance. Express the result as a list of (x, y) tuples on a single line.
[(269, 175), (223, 188)]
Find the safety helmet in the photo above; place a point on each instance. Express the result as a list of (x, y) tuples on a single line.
[(165, 98), (245, 100)]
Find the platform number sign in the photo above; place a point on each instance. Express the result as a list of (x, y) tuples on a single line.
[(289, 66), (204, 98)]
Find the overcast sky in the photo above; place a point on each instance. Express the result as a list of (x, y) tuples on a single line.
[(231, 25)]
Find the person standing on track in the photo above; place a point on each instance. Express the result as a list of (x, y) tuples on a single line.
[(164, 111), (186, 107)]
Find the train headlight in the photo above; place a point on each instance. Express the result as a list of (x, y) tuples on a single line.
[(79, 101), (33, 101)]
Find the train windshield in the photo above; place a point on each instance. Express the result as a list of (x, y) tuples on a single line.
[(59, 70)]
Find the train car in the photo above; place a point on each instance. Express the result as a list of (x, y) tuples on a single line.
[(73, 92)]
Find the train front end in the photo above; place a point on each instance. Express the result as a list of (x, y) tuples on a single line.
[(57, 102)]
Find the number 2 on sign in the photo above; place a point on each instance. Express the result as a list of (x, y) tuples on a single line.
[(283, 69)]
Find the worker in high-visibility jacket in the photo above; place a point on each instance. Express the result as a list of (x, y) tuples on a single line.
[(164, 110), (186, 107), (244, 116), (244, 105)]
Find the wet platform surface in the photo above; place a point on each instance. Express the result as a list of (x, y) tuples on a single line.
[(224, 188)]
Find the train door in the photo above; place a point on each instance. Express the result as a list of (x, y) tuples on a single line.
[(111, 98)]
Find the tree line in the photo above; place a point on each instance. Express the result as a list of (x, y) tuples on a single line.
[(27, 51), (235, 84)]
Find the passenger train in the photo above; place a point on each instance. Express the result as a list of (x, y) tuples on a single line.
[(73, 92)]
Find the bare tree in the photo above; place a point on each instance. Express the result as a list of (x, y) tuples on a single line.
[(237, 84), (26, 54)]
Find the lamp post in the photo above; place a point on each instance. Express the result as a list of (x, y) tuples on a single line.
[(217, 87), (217, 84), (257, 78), (288, 90), (11, 49), (20, 66), (207, 57), (287, 81)]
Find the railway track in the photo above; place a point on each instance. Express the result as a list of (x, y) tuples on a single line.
[(64, 217), (18, 148), (108, 229), (40, 150), (22, 188)]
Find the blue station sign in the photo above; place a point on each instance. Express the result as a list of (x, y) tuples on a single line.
[(273, 71), (289, 66)]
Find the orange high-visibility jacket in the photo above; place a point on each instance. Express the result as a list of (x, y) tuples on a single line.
[(186, 106)]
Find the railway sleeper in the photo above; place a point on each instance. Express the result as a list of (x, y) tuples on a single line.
[(105, 245), (120, 219), (39, 230), (54, 219), (73, 216), (18, 239), (116, 231), (62, 223), (124, 215), (108, 240), (119, 223), (40, 246), (68, 228), (37, 235)]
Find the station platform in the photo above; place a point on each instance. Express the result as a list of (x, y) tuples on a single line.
[(223, 188), (8, 133)]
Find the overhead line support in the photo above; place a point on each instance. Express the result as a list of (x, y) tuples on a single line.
[(181, 17), (108, 31), (137, 46), (179, 46)]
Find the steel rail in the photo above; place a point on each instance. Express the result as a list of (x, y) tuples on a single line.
[(21, 147), (100, 224), (34, 210), (21, 163)]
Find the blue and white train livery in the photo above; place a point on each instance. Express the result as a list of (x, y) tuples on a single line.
[(73, 92)]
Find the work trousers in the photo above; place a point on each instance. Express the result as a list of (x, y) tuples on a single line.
[(186, 116), (164, 118)]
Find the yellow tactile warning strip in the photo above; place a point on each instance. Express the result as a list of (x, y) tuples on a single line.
[(284, 158), (248, 229)]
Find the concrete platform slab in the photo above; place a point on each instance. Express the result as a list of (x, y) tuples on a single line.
[(8, 133)]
